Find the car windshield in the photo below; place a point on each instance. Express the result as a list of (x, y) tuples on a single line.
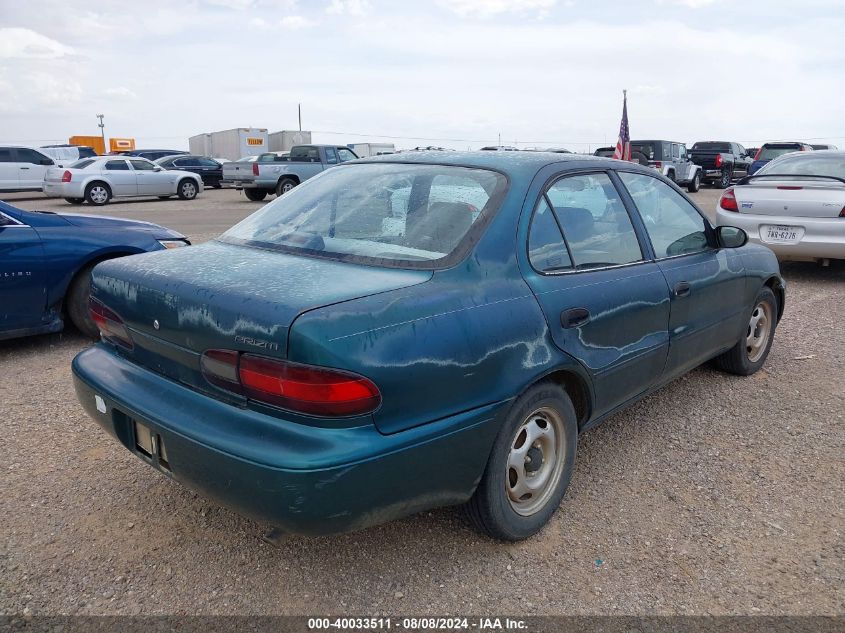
[(387, 214), (807, 165), (773, 151)]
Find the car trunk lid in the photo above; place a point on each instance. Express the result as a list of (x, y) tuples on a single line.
[(178, 303), (795, 197)]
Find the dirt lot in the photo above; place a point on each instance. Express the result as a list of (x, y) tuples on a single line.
[(716, 495)]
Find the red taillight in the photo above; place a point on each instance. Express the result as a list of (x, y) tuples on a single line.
[(66, 176), (110, 325), (301, 388), (757, 155), (718, 160), (842, 213), (728, 200), (657, 164), (255, 169)]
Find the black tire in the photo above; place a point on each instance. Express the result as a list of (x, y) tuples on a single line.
[(725, 179), (256, 195), (98, 193), (739, 359), (76, 303), (165, 197), (670, 175), (491, 509), (75, 200), (187, 189), (285, 185), (694, 184)]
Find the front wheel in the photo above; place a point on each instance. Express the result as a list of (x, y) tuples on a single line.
[(752, 349), (285, 185), (187, 189), (694, 184), (76, 301), (529, 467), (256, 195)]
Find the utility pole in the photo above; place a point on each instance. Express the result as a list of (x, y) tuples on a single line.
[(500, 139), (299, 109), (102, 127)]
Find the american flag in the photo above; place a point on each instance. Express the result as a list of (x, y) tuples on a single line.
[(623, 145)]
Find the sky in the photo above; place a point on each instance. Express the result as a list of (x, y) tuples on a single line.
[(453, 73)]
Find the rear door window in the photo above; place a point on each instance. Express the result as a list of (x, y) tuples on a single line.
[(7, 155), (595, 223), (547, 251), (117, 165), (331, 156)]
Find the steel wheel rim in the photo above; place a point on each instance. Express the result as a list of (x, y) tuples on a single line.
[(189, 190), (99, 194), (286, 187), (540, 438), (759, 331), (726, 178)]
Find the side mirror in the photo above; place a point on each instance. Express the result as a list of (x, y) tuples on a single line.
[(731, 237), (45, 161), (158, 168)]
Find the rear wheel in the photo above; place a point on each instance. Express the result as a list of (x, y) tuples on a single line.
[(187, 189), (751, 351), (256, 195), (670, 175), (529, 467), (76, 301), (97, 193), (285, 185), (75, 200), (694, 184), (725, 179)]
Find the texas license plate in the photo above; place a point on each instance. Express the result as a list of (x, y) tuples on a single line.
[(782, 234)]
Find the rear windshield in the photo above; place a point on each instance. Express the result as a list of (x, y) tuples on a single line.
[(81, 164), (715, 147), (773, 151), (805, 164), (650, 149), (386, 214)]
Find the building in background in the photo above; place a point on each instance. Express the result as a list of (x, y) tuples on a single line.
[(284, 140), (231, 144), (362, 150)]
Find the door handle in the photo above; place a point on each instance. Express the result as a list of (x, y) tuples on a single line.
[(682, 289), (574, 317), (24, 167)]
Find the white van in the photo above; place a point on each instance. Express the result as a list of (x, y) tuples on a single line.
[(23, 168)]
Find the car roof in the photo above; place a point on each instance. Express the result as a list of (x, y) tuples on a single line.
[(510, 163)]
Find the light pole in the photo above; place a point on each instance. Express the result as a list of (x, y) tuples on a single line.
[(102, 127)]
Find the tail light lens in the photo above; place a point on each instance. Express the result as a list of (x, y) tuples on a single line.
[(300, 388), (728, 200), (110, 325), (718, 160), (255, 169), (842, 213), (657, 164), (66, 177)]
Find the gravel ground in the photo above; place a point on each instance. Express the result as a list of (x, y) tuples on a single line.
[(715, 495)]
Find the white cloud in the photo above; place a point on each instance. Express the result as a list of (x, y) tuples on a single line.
[(486, 8), (18, 43), (296, 22), (349, 7), (120, 92)]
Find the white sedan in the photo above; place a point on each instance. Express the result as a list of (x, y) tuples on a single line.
[(795, 205), (98, 180)]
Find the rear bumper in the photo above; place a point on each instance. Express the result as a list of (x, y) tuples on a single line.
[(824, 238), (62, 190), (303, 479)]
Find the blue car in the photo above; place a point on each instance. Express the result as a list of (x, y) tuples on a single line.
[(46, 261), (420, 330), (770, 151)]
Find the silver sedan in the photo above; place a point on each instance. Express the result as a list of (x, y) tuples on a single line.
[(98, 180), (795, 205)]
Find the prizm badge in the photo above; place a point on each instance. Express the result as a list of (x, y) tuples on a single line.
[(256, 342), (747, 205)]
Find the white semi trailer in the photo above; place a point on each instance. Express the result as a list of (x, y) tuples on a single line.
[(232, 144)]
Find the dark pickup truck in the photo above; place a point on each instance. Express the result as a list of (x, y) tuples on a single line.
[(720, 161)]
